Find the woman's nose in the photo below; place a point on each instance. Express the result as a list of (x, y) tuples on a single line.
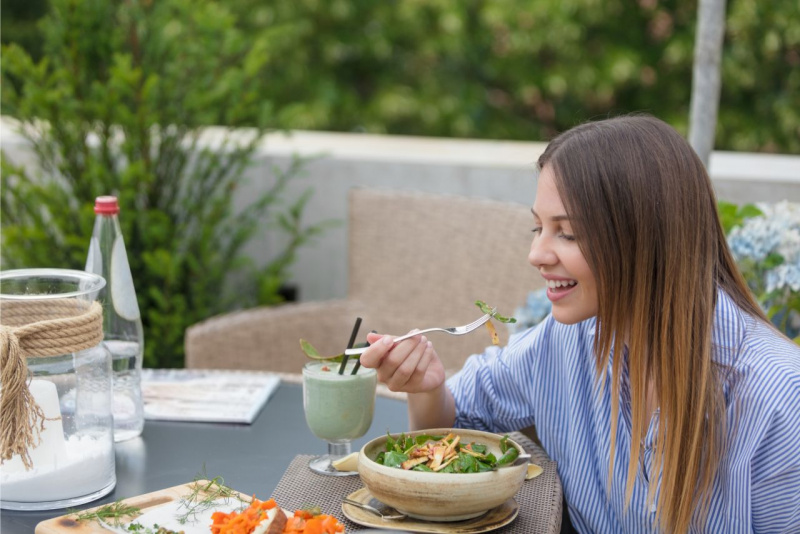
[(541, 253)]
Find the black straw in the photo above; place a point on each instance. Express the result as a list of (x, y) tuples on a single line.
[(350, 344), (358, 363)]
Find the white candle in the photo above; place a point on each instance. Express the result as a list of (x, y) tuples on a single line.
[(52, 447)]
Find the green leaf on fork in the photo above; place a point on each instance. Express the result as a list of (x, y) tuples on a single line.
[(485, 308)]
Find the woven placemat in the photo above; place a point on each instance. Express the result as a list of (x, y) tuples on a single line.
[(540, 499)]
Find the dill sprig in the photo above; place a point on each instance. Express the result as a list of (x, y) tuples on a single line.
[(204, 494), (114, 511), (141, 529)]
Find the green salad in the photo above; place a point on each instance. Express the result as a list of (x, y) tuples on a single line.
[(443, 454)]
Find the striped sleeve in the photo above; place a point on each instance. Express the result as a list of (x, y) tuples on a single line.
[(492, 390), (775, 466)]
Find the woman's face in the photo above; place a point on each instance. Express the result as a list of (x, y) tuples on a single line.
[(554, 251)]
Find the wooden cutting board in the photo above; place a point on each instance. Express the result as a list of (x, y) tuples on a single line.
[(67, 524)]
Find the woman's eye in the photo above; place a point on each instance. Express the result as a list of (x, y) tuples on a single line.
[(537, 230), (568, 237)]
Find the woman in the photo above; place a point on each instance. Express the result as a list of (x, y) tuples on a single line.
[(657, 384)]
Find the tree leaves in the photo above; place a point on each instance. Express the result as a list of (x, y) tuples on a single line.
[(113, 108)]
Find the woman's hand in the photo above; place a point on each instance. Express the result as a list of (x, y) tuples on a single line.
[(411, 365)]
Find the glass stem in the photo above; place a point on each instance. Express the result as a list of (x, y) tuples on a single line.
[(337, 450)]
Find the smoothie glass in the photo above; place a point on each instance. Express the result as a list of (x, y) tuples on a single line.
[(338, 408)]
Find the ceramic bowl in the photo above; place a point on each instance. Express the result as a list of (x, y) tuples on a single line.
[(441, 496)]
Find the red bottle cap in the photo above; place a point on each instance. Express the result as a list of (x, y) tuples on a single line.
[(106, 206)]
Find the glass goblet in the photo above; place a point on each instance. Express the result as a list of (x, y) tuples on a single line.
[(338, 408)]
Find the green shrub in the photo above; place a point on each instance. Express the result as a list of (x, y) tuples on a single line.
[(113, 108), (523, 70)]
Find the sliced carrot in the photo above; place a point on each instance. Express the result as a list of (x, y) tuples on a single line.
[(313, 526), (242, 522), (246, 521)]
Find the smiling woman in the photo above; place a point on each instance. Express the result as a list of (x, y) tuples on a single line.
[(657, 374)]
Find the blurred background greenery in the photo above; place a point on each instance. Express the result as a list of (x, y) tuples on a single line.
[(511, 69)]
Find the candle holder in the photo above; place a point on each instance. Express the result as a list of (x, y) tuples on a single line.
[(55, 403)]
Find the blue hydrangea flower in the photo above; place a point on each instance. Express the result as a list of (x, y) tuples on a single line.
[(537, 307), (775, 232)]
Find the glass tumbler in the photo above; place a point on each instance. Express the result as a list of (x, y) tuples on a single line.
[(73, 459), (338, 408)]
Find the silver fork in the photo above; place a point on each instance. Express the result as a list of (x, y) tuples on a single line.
[(386, 513), (454, 330)]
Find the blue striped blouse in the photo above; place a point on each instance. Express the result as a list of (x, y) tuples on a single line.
[(546, 376)]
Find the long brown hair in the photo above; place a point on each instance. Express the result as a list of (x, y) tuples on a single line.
[(644, 211)]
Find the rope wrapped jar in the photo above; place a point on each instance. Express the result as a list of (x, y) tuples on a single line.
[(56, 427)]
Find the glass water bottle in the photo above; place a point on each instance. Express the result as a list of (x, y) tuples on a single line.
[(122, 323)]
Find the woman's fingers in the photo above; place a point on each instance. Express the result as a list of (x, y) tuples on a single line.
[(405, 369), (376, 352), (396, 355), (373, 337), (403, 366)]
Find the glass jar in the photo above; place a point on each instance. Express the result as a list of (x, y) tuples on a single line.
[(73, 457)]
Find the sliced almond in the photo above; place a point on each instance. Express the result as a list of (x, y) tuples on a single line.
[(448, 462), (438, 456), (452, 446), (418, 452), (473, 453), (408, 464)]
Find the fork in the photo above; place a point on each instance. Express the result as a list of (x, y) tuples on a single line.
[(454, 330), (387, 513)]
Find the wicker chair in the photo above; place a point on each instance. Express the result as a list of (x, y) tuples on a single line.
[(415, 260)]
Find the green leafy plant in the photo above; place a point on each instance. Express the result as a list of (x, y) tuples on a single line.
[(115, 107), (523, 70)]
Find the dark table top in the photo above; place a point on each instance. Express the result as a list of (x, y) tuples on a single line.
[(251, 458)]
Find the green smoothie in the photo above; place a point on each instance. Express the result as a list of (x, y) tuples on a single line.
[(338, 407)]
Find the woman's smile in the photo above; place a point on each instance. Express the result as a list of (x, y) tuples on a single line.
[(558, 288)]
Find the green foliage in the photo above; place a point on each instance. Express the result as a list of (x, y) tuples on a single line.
[(19, 24), (113, 108), (733, 215), (522, 70), (518, 69)]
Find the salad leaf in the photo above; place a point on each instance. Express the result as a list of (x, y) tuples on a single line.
[(394, 459), (485, 308), (467, 463), (504, 444), (390, 441), (478, 447), (510, 455)]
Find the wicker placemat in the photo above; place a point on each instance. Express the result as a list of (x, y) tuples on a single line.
[(539, 499)]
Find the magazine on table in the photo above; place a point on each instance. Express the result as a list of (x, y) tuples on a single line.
[(206, 395)]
